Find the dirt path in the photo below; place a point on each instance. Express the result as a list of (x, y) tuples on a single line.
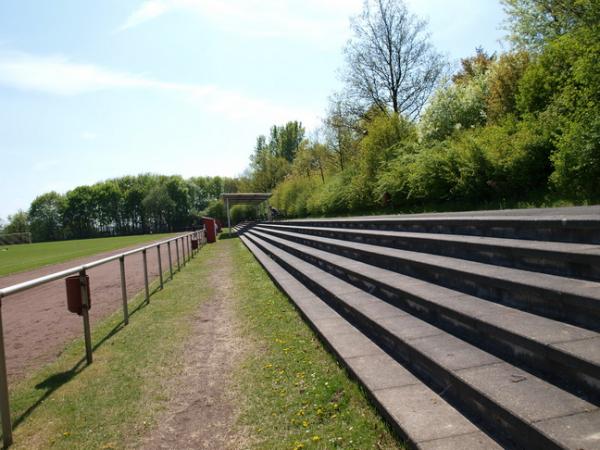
[(201, 409), (37, 325)]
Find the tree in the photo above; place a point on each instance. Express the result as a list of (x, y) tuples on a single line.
[(340, 130), (311, 157), (159, 206), (46, 217), (80, 213), (474, 66), (503, 84), (17, 223), (533, 23), (285, 140), (272, 158), (107, 198), (390, 61), (178, 192)]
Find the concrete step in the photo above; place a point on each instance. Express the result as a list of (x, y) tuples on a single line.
[(558, 352), (565, 299), (576, 224), (241, 227), (417, 413), (556, 258), (513, 405)]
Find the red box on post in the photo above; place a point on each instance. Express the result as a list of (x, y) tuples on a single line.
[(74, 300)]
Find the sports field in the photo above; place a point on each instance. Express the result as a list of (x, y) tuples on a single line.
[(18, 258)]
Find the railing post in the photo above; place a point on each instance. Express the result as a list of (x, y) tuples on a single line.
[(183, 251), (87, 335), (177, 253), (124, 290), (145, 258), (189, 242), (170, 259), (187, 250), (7, 439), (160, 271)]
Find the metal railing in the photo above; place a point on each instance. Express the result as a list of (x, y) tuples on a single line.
[(185, 241)]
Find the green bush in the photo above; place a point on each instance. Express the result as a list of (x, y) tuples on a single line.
[(455, 107), (216, 210), (332, 197), (577, 159), (291, 196), (240, 213)]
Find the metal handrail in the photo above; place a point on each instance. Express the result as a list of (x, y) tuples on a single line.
[(19, 287), (81, 271)]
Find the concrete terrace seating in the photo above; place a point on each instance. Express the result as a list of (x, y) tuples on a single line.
[(467, 330), (241, 227)]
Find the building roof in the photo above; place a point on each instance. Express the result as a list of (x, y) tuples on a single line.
[(246, 197)]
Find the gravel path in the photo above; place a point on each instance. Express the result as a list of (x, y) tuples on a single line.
[(202, 409)]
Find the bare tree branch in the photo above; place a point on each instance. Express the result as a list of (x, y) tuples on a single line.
[(390, 61)]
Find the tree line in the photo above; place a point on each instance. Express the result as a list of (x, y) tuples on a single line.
[(127, 205)]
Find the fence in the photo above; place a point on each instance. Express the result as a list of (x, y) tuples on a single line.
[(15, 238), (187, 252)]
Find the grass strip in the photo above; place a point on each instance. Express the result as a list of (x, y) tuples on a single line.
[(295, 394), (18, 258), (114, 401)]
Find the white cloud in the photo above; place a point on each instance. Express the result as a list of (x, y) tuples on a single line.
[(319, 20), (148, 10), (57, 75)]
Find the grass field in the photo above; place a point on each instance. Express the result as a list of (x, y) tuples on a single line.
[(18, 258)]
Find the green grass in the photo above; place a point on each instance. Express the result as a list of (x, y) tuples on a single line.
[(114, 401), (295, 393), (18, 258)]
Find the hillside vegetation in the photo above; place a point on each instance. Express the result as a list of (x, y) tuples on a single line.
[(514, 129)]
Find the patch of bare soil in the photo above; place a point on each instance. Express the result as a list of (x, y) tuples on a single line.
[(202, 410)]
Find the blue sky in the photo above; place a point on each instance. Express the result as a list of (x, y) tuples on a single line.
[(91, 90)]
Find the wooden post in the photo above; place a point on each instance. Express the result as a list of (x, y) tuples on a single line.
[(177, 253)]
